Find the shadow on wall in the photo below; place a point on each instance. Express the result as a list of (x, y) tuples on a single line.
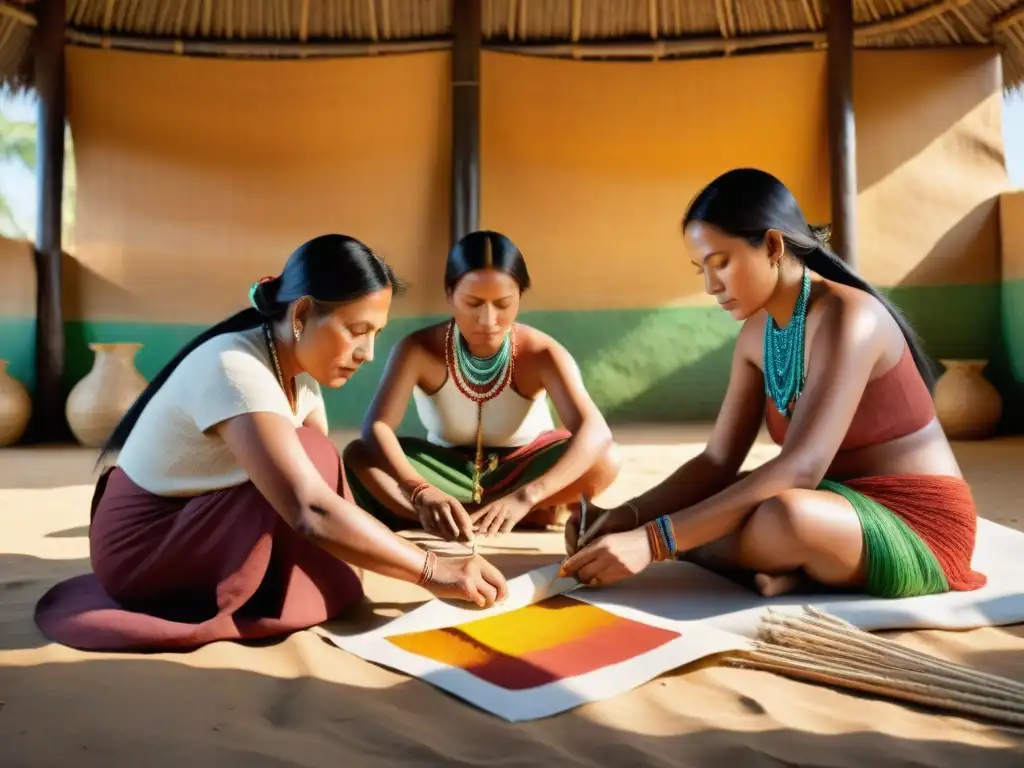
[(960, 317), (646, 365), (936, 90)]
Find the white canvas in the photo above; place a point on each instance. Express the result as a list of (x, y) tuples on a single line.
[(713, 614)]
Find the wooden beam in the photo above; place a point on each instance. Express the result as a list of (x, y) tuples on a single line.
[(255, 49), (659, 49), (49, 424), (465, 189), (842, 130), (17, 14), (1008, 19)]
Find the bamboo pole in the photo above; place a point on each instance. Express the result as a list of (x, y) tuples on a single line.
[(255, 48)]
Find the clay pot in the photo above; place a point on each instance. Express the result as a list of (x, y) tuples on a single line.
[(15, 407), (968, 406), (98, 401)]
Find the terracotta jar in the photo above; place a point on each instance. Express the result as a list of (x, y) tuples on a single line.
[(15, 407), (97, 402), (968, 406)]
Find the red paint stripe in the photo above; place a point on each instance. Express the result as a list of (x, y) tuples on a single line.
[(941, 511), (612, 644)]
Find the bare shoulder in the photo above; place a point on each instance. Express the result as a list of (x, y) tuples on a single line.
[(846, 310), (423, 343), (750, 342), (842, 317), (533, 344)]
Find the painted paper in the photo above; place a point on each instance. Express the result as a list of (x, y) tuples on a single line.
[(554, 645)]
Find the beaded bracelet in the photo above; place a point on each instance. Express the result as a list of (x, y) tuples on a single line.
[(429, 563), (661, 539)]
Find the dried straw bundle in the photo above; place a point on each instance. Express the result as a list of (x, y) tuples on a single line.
[(821, 648)]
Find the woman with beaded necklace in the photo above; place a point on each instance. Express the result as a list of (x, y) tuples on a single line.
[(227, 515), (493, 458), (866, 492)]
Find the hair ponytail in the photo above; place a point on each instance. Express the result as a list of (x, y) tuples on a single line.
[(827, 264), (747, 203), (330, 269), (240, 321)]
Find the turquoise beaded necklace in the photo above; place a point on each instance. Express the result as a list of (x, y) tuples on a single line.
[(482, 371), (783, 360)]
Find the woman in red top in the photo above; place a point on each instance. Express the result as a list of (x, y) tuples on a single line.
[(866, 492)]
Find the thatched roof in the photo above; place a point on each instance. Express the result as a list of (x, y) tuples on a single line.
[(642, 29)]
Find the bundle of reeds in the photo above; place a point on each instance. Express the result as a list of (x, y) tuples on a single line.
[(817, 647)]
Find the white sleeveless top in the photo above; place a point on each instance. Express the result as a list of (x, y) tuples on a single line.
[(509, 420)]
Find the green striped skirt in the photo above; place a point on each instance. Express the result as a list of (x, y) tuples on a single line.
[(919, 533), (451, 470)]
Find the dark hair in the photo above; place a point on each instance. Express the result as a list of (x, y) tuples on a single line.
[(330, 270), (485, 250), (747, 202)]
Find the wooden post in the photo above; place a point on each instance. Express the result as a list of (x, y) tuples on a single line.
[(842, 130), (48, 406), (466, 24)]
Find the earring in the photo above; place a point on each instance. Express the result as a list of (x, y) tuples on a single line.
[(296, 332)]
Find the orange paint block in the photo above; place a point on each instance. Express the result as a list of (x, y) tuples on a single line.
[(556, 639)]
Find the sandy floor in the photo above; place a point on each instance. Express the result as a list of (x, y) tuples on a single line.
[(303, 702)]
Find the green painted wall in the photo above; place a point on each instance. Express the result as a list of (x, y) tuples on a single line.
[(640, 364)]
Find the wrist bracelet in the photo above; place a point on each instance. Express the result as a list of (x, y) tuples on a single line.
[(661, 539), (417, 491), (429, 563), (636, 513)]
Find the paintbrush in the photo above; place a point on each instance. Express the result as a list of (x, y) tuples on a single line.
[(583, 526)]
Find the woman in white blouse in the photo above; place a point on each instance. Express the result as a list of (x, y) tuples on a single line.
[(228, 514)]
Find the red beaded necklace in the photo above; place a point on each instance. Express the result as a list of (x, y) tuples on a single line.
[(479, 395)]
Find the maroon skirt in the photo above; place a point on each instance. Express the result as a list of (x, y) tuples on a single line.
[(177, 573)]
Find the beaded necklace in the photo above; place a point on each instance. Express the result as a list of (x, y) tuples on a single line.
[(268, 336), (480, 379), (783, 360)]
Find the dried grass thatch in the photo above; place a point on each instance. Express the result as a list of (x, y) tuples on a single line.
[(643, 29)]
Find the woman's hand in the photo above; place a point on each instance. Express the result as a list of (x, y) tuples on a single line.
[(443, 515), (600, 522), (468, 578), (610, 559), (501, 515)]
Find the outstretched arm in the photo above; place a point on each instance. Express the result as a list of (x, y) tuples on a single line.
[(268, 449), (844, 351), (561, 378), (387, 410), (736, 428), (267, 446)]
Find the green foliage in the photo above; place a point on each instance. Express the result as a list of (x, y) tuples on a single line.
[(18, 144)]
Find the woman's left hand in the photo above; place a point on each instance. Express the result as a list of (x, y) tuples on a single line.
[(501, 515), (610, 559)]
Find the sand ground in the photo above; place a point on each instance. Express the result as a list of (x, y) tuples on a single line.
[(303, 702)]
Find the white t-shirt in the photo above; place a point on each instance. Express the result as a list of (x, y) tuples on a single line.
[(167, 452)]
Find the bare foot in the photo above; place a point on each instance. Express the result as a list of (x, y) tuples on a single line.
[(773, 586)]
